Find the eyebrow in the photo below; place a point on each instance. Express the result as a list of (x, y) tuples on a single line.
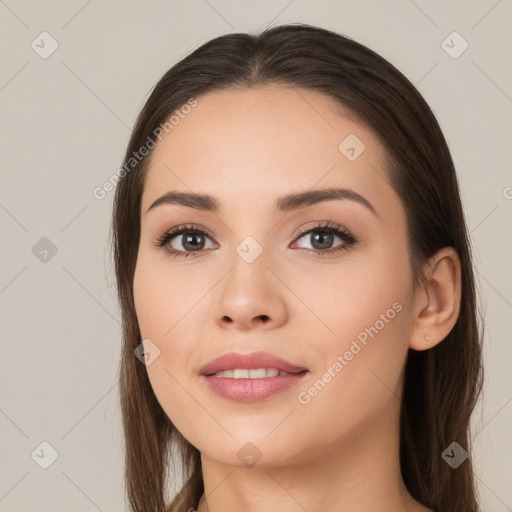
[(286, 203)]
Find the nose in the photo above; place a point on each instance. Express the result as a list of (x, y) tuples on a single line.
[(250, 296)]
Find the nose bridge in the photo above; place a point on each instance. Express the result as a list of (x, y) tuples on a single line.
[(249, 264), (257, 250)]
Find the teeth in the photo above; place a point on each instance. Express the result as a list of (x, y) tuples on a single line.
[(260, 373), (256, 374)]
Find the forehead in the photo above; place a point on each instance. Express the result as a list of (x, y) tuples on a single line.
[(251, 145)]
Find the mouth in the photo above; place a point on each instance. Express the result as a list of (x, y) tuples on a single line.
[(240, 363), (258, 373), (250, 377)]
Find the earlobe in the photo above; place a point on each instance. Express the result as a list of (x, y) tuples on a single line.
[(437, 302)]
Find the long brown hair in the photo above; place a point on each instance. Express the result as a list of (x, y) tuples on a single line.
[(442, 384)]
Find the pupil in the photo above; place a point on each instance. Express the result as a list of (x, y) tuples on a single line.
[(192, 237), (323, 238)]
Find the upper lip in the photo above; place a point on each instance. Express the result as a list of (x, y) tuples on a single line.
[(251, 361)]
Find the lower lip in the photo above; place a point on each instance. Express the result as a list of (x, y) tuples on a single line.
[(252, 390)]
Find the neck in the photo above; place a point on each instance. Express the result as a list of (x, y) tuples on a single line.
[(361, 472)]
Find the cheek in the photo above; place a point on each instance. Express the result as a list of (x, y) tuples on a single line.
[(162, 306), (159, 299), (161, 309), (364, 321), (352, 297)]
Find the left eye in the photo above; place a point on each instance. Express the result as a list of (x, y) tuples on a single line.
[(322, 238)]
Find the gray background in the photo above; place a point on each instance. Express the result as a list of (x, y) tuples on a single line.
[(65, 122)]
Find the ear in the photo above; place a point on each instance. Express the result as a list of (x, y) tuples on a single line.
[(437, 300)]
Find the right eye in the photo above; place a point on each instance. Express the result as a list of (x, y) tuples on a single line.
[(193, 240)]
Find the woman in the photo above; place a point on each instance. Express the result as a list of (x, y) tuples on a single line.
[(293, 266)]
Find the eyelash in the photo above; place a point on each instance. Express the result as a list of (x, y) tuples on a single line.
[(324, 227)]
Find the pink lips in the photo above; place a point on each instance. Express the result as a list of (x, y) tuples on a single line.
[(245, 389), (250, 361)]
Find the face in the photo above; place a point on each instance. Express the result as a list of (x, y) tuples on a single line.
[(252, 277)]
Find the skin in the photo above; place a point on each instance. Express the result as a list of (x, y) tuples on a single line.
[(339, 451)]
